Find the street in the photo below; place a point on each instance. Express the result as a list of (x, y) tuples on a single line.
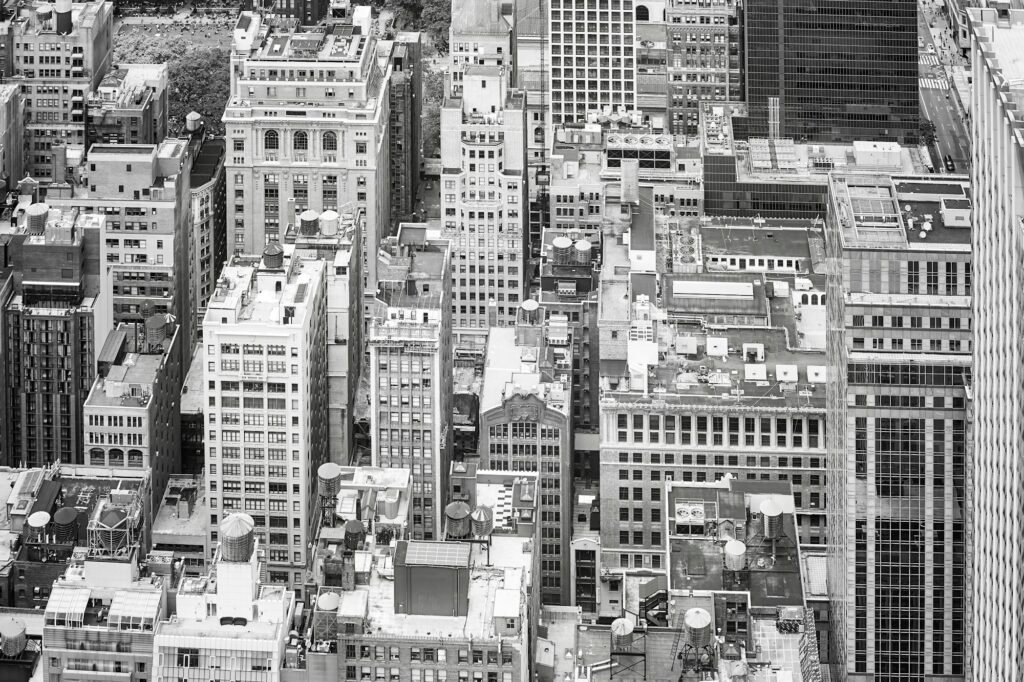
[(935, 89)]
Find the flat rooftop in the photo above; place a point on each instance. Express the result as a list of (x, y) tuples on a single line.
[(714, 293), (717, 364), (336, 43), (140, 370), (509, 570), (253, 293), (778, 238), (510, 368), (269, 634), (697, 558), (885, 212), (169, 522)]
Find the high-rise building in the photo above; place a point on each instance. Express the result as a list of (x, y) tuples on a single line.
[(336, 239), (899, 394), (131, 415), (306, 126), (56, 319), (12, 123), (704, 63), (410, 371), (143, 192), (60, 55), (526, 424), (266, 396), (832, 71), (483, 192), (207, 240), (996, 555), (593, 65), (405, 53), (129, 106)]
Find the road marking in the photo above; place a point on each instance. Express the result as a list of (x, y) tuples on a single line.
[(928, 59), (934, 83)]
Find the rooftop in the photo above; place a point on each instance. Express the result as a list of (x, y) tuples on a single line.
[(279, 296), (511, 369), (701, 515), (509, 568), (742, 363), (183, 510), (193, 400), (771, 237), (74, 604), (885, 212), (335, 43)]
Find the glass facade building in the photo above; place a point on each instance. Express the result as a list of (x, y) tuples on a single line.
[(899, 343), (832, 70)]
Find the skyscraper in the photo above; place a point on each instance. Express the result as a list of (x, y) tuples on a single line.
[(484, 183), (593, 64), (899, 400), (832, 70), (266, 391), (410, 371), (997, 554)]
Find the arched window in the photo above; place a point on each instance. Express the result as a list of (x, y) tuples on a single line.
[(803, 299), (300, 141), (814, 299), (538, 134), (642, 13), (116, 457), (330, 142), (135, 458), (97, 456), (270, 141)]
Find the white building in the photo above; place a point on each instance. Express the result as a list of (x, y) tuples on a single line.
[(483, 155), (410, 370), (266, 402), (228, 624), (306, 127), (997, 177)]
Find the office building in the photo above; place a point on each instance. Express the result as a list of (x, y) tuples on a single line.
[(834, 71), (61, 53), (526, 424), (593, 64), (997, 603), (405, 53), (705, 58), (532, 60), (131, 415), (207, 240), (899, 394), (308, 12), (704, 375), (410, 371), (483, 193), (56, 317), (336, 239), (142, 191), (307, 125), (733, 606), (266, 391), (228, 619), (129, 106)]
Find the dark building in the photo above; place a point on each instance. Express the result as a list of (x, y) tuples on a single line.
[(406, 96), (51, 323), (832, 70)]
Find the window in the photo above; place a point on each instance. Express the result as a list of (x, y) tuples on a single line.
[(330, 142), (360, 147), (300, 141), (270, 140)]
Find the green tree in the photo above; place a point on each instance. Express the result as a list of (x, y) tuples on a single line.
[(927, 132), (433, 98)]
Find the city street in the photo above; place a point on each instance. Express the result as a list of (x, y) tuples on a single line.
[(936, 94)]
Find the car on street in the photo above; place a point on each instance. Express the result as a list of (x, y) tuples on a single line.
[(948, 162)]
